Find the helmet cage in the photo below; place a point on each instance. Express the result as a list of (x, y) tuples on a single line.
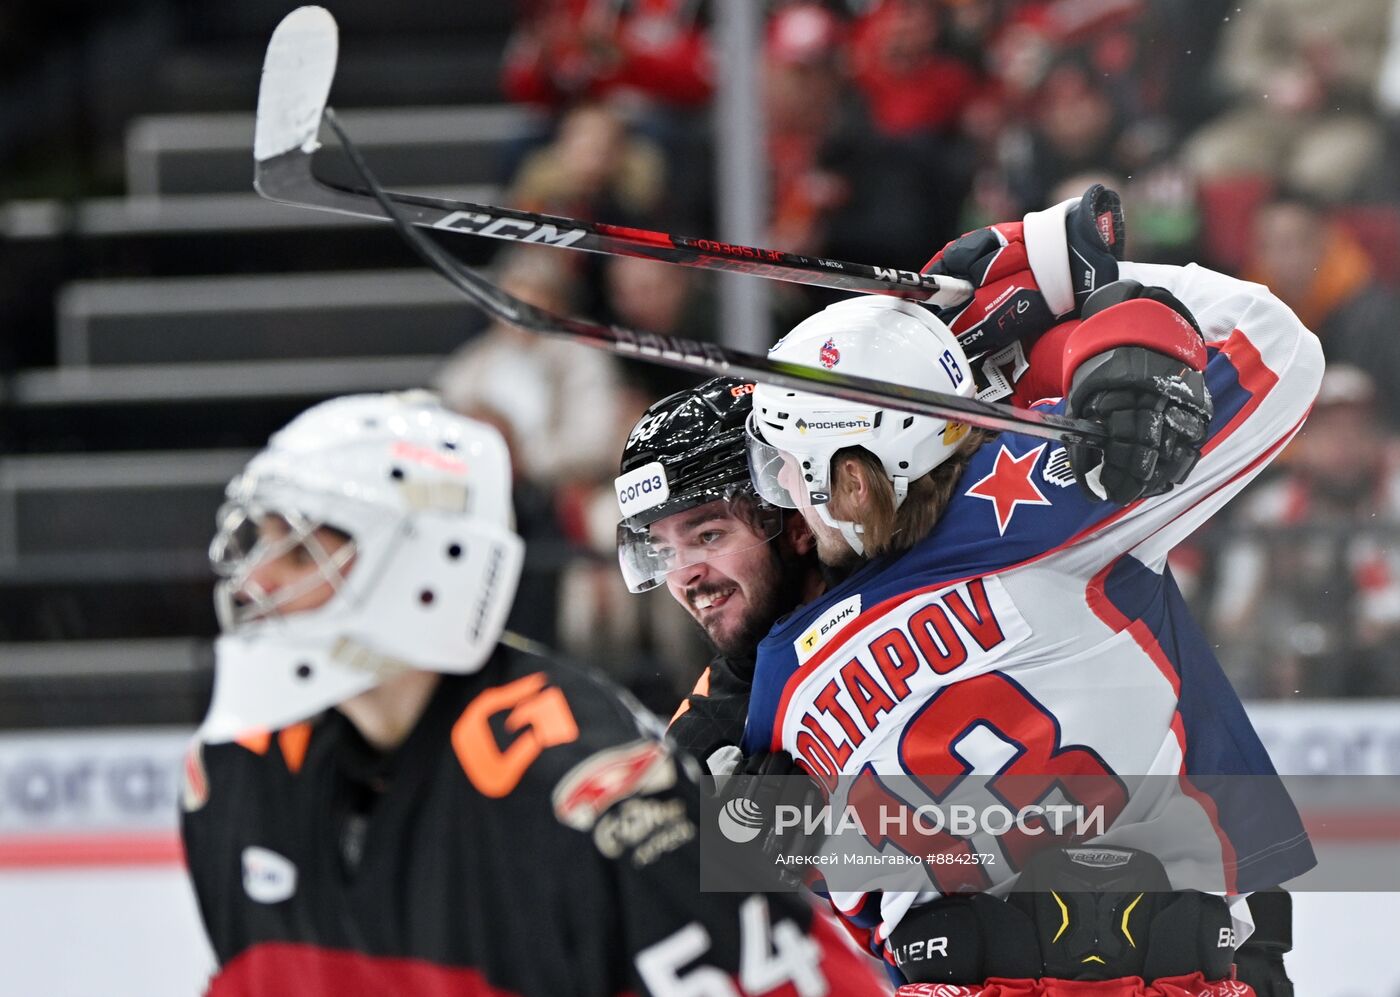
[(242, 543)]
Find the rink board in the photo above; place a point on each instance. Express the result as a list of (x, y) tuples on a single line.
[(94, 899)]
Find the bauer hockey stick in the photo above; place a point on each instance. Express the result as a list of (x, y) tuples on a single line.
[(706, 359), (300, 64)]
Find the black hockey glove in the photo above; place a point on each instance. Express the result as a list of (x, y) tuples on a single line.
[(764, 783), (1259, 961), (1031, 274), (965, 939), (1154, 404)]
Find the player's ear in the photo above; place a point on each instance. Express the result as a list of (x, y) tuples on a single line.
[(852, 489), (798, 534)]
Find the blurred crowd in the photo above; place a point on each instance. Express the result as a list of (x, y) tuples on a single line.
[(1254, 136)]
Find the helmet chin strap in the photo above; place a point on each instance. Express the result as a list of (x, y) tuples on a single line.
[(849, 531), (901, 489)]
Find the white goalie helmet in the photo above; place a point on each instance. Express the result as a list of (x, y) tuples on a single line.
[(793, 435), (425, 579)]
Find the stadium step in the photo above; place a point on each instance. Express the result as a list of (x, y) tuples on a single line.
[(90, 505), (187, 406), (101, 683), (44, 244), (417, 146), (261, 318), (447, 69)]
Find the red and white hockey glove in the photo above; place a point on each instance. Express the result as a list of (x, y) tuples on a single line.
[(1032, 273), (1136, 364)]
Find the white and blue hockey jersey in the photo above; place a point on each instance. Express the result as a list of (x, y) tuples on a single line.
[(1038, 634)]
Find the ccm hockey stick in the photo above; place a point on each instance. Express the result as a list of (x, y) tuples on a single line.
[(708, 359), (283, 173), (705, 359)]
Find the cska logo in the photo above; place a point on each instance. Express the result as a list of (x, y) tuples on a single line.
[(829, 356), (1010, 485)]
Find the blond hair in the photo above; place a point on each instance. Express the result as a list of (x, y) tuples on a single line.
[(885, 529)]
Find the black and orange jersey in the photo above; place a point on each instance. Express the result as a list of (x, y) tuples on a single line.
[(532, 836)]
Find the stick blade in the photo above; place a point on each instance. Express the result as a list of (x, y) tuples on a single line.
[(296, 81)]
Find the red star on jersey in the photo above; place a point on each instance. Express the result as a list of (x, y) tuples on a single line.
[(1010, 485)]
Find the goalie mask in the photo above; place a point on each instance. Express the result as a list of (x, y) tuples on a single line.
[(687, 451), (793, 435), (371, 536)]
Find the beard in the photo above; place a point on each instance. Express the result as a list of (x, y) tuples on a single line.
[(834, 552), (832, 549), (773, 592)]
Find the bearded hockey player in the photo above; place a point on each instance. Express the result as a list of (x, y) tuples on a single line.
[(384, 799), (1006, 633), (691, 521), (690, 516)]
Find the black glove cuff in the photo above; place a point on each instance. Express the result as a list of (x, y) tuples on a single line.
[(1272, 911)]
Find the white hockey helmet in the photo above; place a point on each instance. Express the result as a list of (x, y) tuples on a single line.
[(793, 435), (425, 581)]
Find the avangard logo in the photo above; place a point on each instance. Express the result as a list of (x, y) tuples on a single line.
[(740, 820), (826, 425)]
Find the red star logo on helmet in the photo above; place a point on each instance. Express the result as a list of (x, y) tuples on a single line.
[(830, 356), (1010, 485)]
